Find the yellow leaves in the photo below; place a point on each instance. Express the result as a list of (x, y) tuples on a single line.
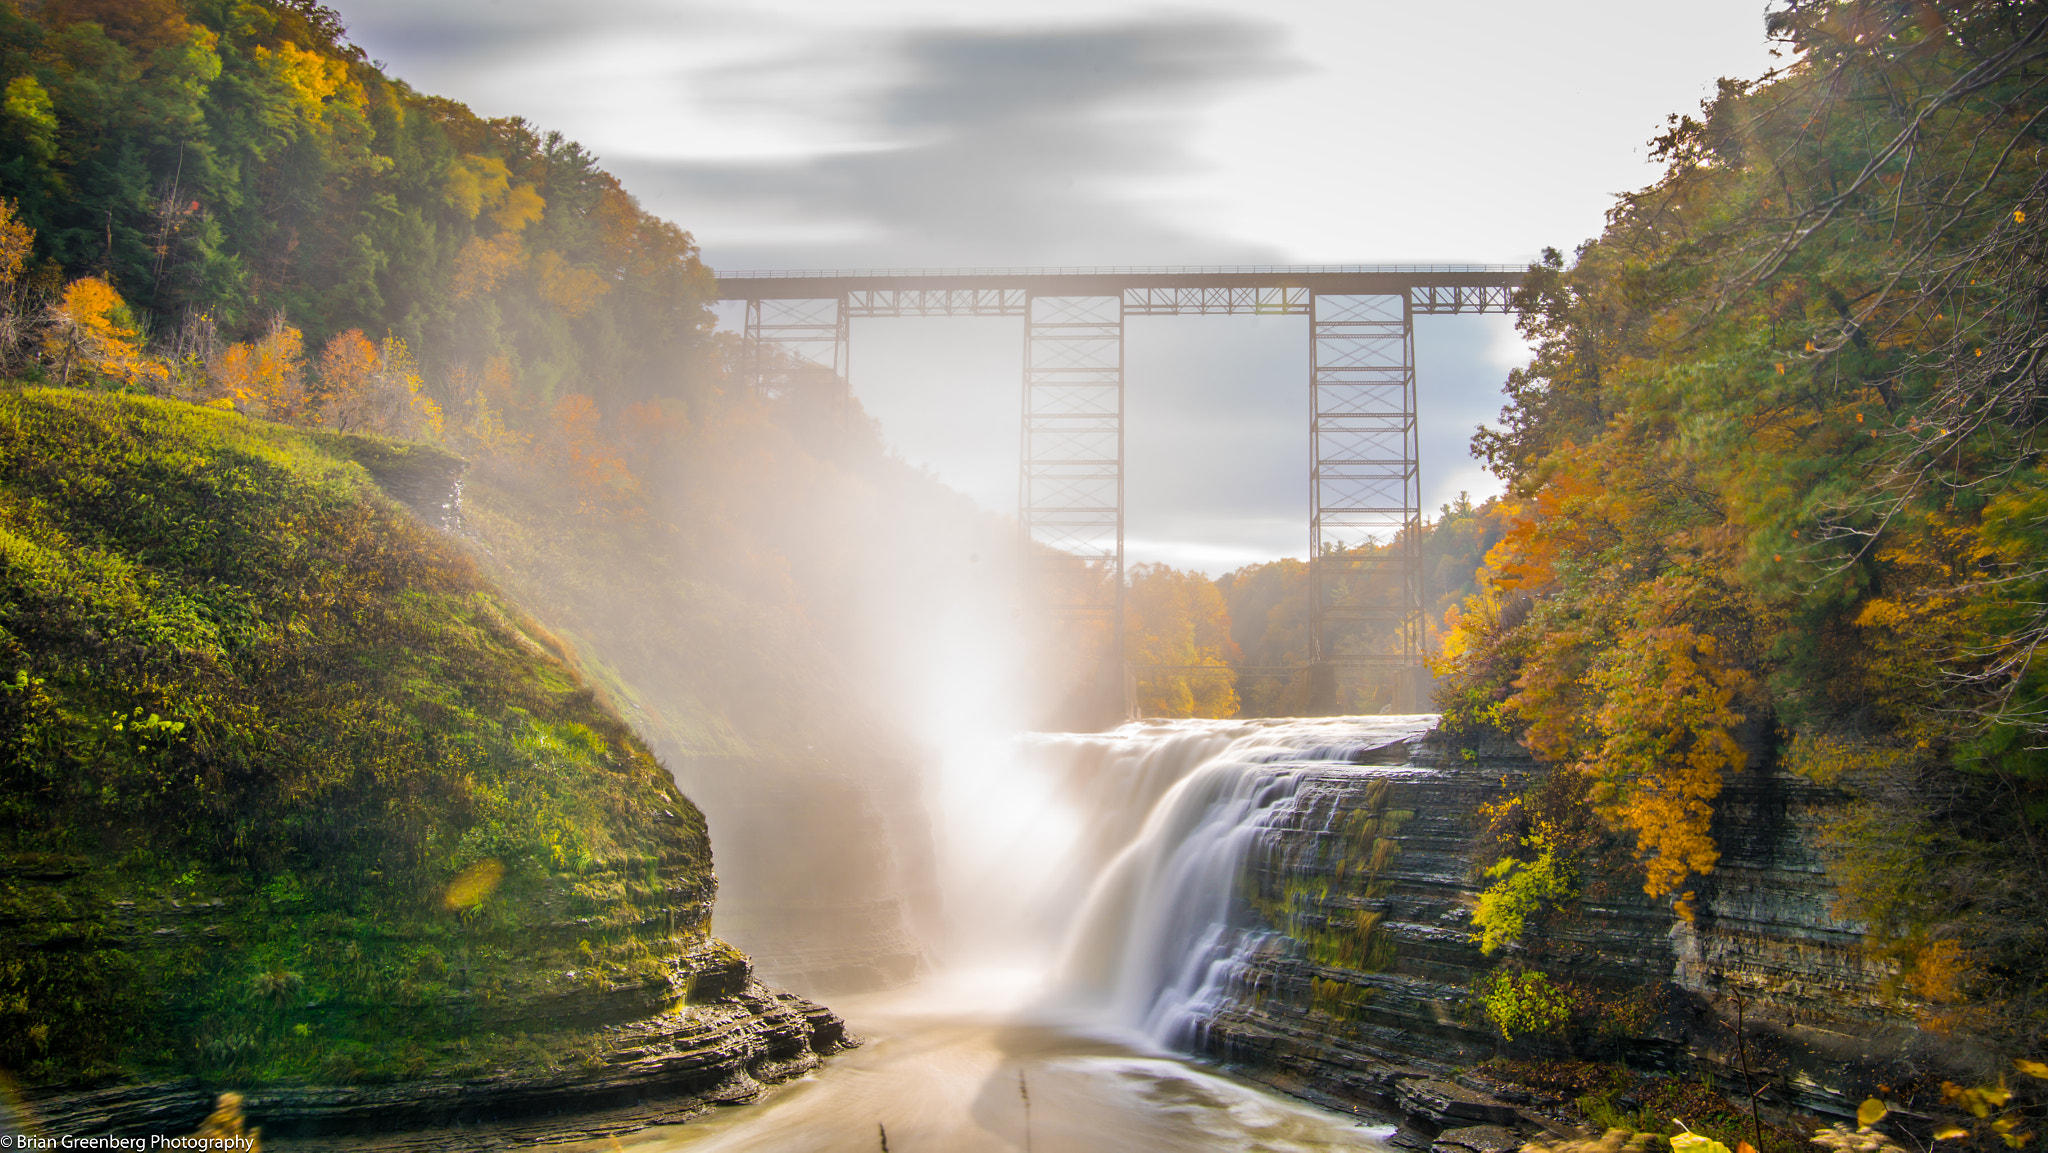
[(484, 262), (1940, 973), (311, 80), (2035, 1069), (1879, 613), (28, 104), (522, 207), (1950, 1133), (486, 432), (91, 330), (565, 287), (1827, 759), (265, 378), (1666, 717), (1179, 619), (1870, 1112), (16, 241), (475, 183), (1690, 1142)]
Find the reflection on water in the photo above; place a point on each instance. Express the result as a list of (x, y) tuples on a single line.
[(942, 1076)]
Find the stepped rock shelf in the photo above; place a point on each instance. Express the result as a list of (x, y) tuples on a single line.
[(691, 1029), (1353, 983)]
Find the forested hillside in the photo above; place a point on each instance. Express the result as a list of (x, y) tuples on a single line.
[(1777, 498)]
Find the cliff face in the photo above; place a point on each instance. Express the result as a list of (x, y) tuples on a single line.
[(293, 803), (544, 1038), (1358, 976)]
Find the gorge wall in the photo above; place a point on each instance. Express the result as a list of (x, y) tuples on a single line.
[(1355, 974), (294, 803)]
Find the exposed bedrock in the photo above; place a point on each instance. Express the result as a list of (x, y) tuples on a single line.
[(686, 1027), (1354, 979)]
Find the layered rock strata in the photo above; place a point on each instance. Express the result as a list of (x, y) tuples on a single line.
[(1355, 980), (601, 1057)]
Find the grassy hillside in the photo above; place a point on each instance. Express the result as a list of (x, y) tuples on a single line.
[(285, 787)]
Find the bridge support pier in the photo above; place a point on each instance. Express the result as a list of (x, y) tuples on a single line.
[(1365, 493), (1070, 482), (799, 346)]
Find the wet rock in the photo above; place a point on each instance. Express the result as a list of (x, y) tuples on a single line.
[(1444, 1103), (1477, 1139), (1361, 901)]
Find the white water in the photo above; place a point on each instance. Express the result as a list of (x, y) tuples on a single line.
[(1090, 883)]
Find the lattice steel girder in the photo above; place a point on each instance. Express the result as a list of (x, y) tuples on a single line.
[(797, 344), (1365, 483), (1070, 465), (1439, 299), (1280, 300), (1433, 288), (866, 302)]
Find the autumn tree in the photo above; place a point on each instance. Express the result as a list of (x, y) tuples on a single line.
[(367, 387), (1176, 627), (265, 377), (90, 334)]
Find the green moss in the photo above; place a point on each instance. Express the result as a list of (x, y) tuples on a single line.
[(248, 700), (1323, 904)]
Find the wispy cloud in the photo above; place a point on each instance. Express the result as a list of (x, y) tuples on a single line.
[(981, 145)]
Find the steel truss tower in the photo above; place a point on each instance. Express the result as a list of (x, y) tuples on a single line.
[(1365, 493), (1365, 479), (1070, 477), (799, 347)]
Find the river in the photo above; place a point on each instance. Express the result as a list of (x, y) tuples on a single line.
[(1090, 885)]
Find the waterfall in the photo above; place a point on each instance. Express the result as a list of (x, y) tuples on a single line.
[(1142, 881)]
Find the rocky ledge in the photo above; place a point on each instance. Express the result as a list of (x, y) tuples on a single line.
[(724, 1043), (1357, 969)]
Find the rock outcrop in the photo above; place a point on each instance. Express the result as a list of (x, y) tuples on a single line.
[(563, 1051), (1355, 982)]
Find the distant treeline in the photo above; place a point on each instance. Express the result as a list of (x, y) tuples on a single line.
[(1252, 626)]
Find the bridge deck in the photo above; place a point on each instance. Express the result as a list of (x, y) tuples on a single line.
[(1223, 288)]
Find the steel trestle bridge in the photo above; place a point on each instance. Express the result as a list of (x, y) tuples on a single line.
[(1365, 488)]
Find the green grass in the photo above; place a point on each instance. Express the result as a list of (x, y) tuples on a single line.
[(249, 698)]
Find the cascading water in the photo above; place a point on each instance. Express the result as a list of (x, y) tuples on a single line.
[(1092, 884), (1161, 931)]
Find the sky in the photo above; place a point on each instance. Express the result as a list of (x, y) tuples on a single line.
[(840, 134)]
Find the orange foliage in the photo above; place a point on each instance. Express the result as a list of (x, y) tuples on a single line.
[(649, 428), (1666, 745), (565, 287), (92, 331), (265, 378), (375, 388), (593, 462), (16, 240), (483, 263), (347, 364), (486, 432)]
